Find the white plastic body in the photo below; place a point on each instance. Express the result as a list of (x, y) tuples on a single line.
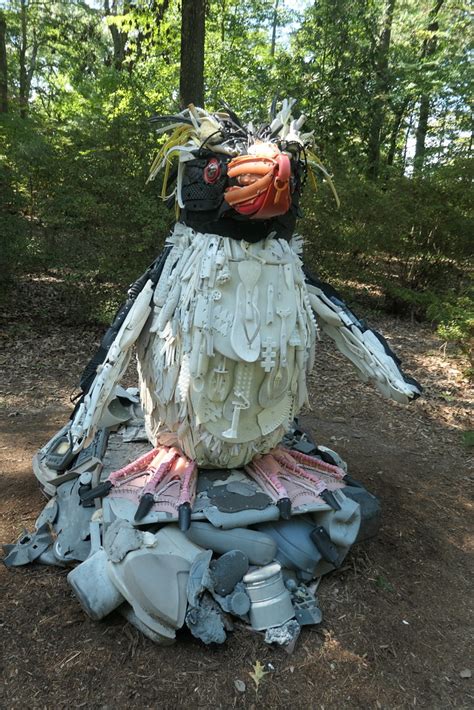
[(223, 363)]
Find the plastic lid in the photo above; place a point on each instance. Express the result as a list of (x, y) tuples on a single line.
[(262, 573)]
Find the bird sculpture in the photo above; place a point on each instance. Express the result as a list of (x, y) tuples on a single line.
[(225, 322)]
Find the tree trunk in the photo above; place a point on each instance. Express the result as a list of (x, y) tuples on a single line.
[(119, 38), (23, 74), (382, 85), (3, 66), (405, 147), (443, 131), (26, 72), (421, 131), (429, 48), (191, 79), (274, 28), (397, 122)]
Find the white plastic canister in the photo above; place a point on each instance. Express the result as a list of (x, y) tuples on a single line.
[(270, 599)]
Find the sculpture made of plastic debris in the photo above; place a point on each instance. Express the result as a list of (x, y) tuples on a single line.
[(225, 324)]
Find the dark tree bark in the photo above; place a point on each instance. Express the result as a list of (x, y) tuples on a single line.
[(23, 74), (421, 131), (397, 122), (382, 85), (119, 38), (191, 79), (3, 66), (405, 145), (274, 28), (26, 72), (429, 48)]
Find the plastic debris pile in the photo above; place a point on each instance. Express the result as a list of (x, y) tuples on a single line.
[(239, 560)]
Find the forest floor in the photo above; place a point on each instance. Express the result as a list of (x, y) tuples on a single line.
[(397, 627)]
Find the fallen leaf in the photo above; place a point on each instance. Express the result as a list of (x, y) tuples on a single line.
[(258, 674)]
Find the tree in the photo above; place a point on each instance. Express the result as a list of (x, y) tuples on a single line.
[(3, 66), (274, 28), (429, 49), (119, 35), (381, 89), (27, 70), (191, 78)]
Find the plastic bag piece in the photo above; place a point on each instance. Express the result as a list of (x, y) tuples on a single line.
[(206, 621)]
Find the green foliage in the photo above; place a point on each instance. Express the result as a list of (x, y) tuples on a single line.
[(409, 241), (382, 583), (468, 438), (73, 169)]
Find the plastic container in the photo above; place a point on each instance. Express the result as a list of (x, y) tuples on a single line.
[(259, 548), (92, 586), (270, 599), (295, 548), (297, 551)]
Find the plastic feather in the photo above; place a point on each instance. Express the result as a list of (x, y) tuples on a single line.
[(313, 160)]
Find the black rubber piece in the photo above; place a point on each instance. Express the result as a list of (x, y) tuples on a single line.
[(325, 546), (284, 506), (306, 447), (349, 481), (184, 517), (83, 491), (329, 498), (144, 506), (228, 570), (326, 457), (99, 491)]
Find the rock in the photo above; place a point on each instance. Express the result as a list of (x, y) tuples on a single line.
[(240, 686)]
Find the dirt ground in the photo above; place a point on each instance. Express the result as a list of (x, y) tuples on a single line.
[(397, 628)]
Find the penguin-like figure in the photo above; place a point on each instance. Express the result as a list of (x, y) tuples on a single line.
[(224, 322)]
